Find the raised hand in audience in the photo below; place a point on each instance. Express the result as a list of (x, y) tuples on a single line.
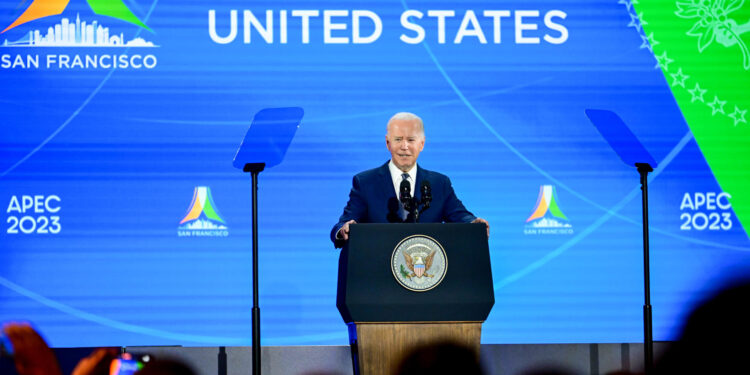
[(31, 353)]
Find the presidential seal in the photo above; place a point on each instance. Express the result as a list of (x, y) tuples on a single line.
[(419, 263)]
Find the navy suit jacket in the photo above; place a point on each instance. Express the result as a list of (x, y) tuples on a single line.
[(373, 200)]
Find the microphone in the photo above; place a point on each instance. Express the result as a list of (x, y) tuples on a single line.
[(405, 196), (426, 194), (405, 191)]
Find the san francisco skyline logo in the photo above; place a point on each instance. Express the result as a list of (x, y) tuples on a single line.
[(547, 217), (202, 218), (80, 32)]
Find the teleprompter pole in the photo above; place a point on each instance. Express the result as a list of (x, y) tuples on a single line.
[(255, 169), (648, 340)]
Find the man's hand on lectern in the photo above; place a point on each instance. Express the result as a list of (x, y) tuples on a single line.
[(480, 220), (343, 233)]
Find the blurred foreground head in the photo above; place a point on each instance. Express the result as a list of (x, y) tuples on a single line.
[(441, 359), (714, 339)]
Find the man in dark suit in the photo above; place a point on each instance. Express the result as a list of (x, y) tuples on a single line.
[(373, 198)]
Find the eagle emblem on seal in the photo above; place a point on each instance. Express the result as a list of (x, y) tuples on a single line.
[(419, 263)]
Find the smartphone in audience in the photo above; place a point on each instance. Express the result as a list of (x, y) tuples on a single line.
[(6, 347), (128, 364)]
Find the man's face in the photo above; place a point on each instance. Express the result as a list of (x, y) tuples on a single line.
[(405, 140)]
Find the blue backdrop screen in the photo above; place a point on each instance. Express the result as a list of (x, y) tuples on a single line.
[(124, 222)]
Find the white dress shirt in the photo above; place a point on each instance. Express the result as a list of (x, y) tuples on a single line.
[(396, 177)]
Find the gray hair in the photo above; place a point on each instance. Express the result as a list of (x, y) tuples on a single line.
[(407, 116)]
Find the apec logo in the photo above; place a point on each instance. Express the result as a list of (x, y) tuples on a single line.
[(709, 210), (34, 214), (77, 33)]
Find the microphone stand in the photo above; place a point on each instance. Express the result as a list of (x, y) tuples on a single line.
[(425, 203), (410, 203)]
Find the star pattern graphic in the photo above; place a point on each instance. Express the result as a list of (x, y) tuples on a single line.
[(663, 61), (678, 79), (717, 106), (738, 115), (634, 22), (697, 93), (641, 19), (645, 43), (652, 41), (648, 42)]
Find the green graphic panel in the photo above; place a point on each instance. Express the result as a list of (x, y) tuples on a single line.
[(702, 49), (116, 9)]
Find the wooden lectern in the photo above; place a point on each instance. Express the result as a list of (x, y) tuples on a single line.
[(386, 319)]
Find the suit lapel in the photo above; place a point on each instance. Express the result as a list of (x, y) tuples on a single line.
[(386, 182), (417, 187)]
